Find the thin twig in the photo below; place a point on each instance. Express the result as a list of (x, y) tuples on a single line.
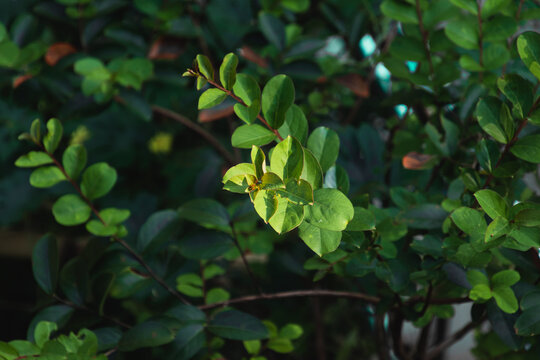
[(451, 340), (198, 129), (480, 39), (512, 141), (425, 40), (254, 281), (422, 342), (137, 257), (295, 294)]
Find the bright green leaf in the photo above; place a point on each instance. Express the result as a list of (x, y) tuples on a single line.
[(71, 210), (97, 180), (277, 98)]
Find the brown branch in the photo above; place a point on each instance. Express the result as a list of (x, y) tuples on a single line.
[(425, 39), (422, 342), (137, 257), (451, 340), (295, 294), (512, 141), (198, 129), (480, 39), (84, 308), (244, 260)]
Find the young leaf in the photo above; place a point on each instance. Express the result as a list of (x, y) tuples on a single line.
[(266, 204), (298, 192), (35, 130), (324, 144), (113, 216), (505, 298), (295, 125), (287, 216), (97, 180), (74, 160), (43, 332), (227, 71), (211, 98), (492, 203), (248, 114), (33, 159), (331, 210), (237, 325), (505, 278), (469, 221), (277, 98), (96, 227), (245, 136), (497, 228), (45, 264), (47, 176), (247, 89), (259, 161), (54, 135), (312, 171), (71, 210), (321, 241), (287, 159), (205, 67)]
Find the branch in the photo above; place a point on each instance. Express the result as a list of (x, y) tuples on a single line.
[(137, 257), (425, 39), (451, 340), (246, 265), (295, 294), (198, 129), (513, 141)]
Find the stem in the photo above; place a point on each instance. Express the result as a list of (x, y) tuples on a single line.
[(319, 330), (295, 294), (428, 299), (84, 308), (512, 141), (425, 39), (480, 40), (383, 350), (451, 340), (244, 260), (231, 94), (198, 129), (137, 257), (422, 342)]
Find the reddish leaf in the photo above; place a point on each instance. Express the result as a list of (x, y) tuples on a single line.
[(165, 49), (20, 79), (247, 53), (356, 83), (209, 115), (417, 161), (58, 51)]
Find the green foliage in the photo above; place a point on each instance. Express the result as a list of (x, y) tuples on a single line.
[(397, 139)]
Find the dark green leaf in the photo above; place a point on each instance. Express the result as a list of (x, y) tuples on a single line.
[(147, 334), (324, 144), (45, 264), (492, 203), (273, 29), (236, 325), (519, 91), (527, 148), (205, 212), (277, 98)]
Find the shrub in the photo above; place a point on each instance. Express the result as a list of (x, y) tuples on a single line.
[(388, 182)]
